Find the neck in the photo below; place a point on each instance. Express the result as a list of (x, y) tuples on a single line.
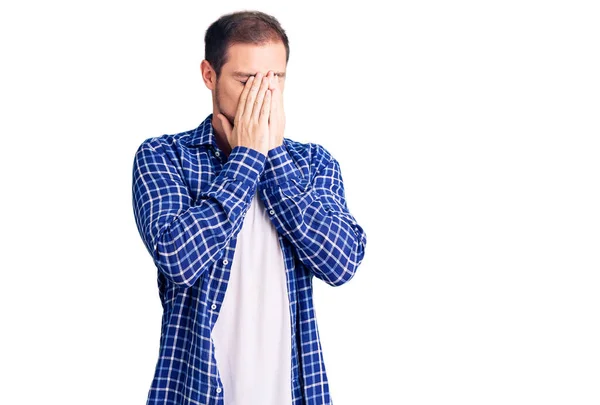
[(220, 136)]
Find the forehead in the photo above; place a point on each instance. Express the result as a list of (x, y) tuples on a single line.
[(245, 60)]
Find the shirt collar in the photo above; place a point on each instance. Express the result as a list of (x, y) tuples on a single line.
[(203, 135)]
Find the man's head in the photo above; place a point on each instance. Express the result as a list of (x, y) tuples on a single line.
[(238, 45)]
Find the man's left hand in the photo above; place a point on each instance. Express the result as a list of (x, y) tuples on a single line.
[(277, 115)]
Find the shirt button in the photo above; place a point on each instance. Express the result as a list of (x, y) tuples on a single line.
[(213, 306), (272, 212), (217, 153), (218, 390), (225, 261)]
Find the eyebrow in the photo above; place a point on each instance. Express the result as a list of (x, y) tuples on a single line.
[(245, 74)]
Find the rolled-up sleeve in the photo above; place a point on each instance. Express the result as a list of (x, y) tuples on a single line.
[(185, 237), (313, 214)]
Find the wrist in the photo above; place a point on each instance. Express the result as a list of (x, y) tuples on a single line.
[(279, 167)]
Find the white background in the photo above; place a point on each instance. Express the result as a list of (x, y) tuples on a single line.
[(467, 133)]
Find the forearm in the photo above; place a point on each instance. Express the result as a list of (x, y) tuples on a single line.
[(188, 245), (185, 242), (314, 217)]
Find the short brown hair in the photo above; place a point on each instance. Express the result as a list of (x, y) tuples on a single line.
[(241, 27)]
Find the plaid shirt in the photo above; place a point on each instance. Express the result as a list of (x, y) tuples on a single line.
[(189, 203)]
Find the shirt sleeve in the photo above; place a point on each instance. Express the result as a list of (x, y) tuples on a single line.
[(313, 215), (185, 237)]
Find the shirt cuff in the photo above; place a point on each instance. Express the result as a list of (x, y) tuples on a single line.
[(244, 164), (279, 167)]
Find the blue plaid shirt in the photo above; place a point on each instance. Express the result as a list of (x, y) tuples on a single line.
[(189, 203)]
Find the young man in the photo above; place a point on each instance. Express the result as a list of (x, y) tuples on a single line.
[(238, 220)]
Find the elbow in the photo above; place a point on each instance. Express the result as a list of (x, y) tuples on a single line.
[(183, 252), (345, 275), (175, 275), (346, 270), (182, 267)]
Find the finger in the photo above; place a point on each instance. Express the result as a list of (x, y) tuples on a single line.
[(275, 99), (243, 97), (272, 80), (277, 83), (252, 96), (264, 86), (265, 111)]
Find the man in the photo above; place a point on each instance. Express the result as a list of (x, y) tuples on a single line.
[(238, 220)]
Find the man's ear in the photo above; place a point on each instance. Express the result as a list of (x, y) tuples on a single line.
[(209, 75)]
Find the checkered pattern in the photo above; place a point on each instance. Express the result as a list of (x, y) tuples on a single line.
[(189, 202)]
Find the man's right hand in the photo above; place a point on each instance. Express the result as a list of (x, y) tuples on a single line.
[(251, 123)]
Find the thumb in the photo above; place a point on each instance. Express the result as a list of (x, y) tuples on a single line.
[(226, 125)]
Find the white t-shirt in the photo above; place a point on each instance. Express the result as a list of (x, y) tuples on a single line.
[(252, 334)]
